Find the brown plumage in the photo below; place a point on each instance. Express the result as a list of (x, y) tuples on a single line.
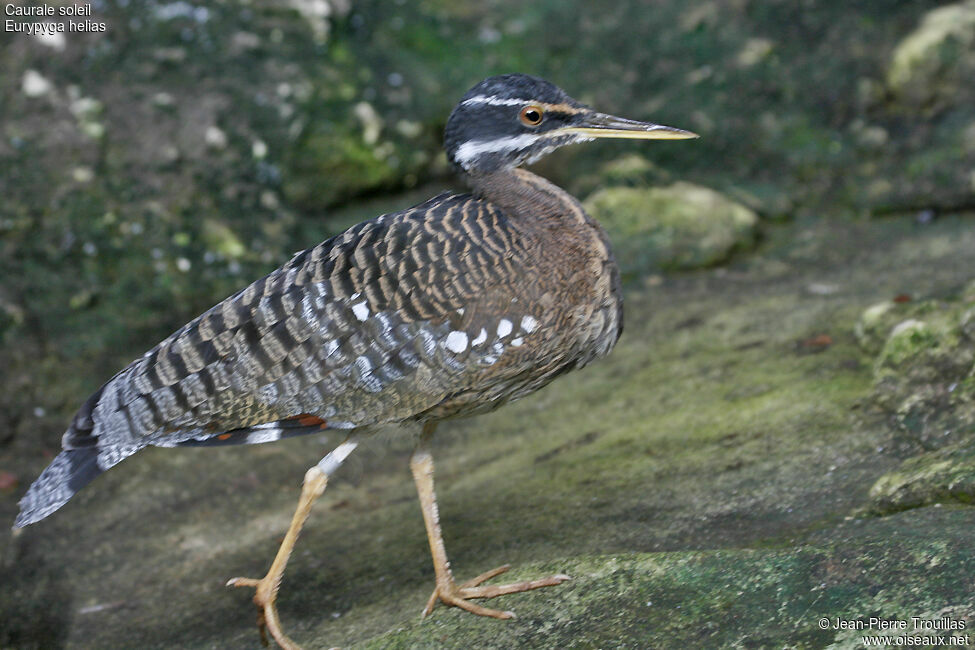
[(450, 308)]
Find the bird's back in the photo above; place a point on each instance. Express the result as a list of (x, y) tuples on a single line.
[(452, 307)]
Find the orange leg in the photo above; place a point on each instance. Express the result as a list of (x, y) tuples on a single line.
[(316, 479), (421, 463)]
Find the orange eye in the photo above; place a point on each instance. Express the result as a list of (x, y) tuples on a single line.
[(531, 115)]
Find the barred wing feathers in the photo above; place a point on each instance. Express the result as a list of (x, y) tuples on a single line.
[(402, 317)]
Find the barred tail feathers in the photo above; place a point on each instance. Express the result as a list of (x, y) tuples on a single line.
[(70, 471)]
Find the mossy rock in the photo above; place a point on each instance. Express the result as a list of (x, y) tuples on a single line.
[(937, 60), (909, 341), (921, 341), (943, 476), (904, 327), (683, 226), (741, 598), (924, 373), (328, 166)]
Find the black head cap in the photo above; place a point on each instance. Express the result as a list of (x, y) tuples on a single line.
[(494, 125)]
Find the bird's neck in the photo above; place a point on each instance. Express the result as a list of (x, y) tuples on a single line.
[(522, 194)]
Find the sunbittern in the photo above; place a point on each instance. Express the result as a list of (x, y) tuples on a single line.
[(450, 308)]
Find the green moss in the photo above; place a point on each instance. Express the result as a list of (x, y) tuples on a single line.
[(220, 239), (907, 341), (966, 324), (329, 166), (735, 598)]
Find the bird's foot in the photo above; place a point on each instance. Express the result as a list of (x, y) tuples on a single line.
[(460, 595), (267, 613), (267, 587)]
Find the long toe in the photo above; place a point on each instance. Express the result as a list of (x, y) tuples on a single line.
[(462, 594), (484, 577), (490, 591), (474, 608)]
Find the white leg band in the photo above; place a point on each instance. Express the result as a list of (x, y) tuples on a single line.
[(337, 456)]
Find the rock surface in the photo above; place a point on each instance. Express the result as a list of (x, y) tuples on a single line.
[(713, 483)]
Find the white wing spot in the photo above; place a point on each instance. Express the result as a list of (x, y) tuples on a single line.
[(456, 342), (504, 328), (481, 338), (361, 310), (263, 435), (529, 324), (517, 342), (460, 311)]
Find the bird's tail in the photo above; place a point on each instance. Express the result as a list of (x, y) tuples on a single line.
[(70, 471)]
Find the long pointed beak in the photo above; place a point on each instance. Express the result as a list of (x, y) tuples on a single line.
[(601, 125)]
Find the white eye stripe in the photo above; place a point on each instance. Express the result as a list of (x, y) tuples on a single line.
[(494, 101), (560, 107)]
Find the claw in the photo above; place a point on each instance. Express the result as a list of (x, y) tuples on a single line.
[(242, 582), (267, 613), (266, 589)]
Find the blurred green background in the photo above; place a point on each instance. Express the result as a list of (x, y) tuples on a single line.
[(148, 171)]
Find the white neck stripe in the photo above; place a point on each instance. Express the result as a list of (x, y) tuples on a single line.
[(473, 149)]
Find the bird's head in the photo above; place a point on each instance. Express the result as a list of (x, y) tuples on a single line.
[(514, 119)]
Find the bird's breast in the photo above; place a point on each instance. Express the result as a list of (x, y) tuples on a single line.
[(575, 267), (557, 307)]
